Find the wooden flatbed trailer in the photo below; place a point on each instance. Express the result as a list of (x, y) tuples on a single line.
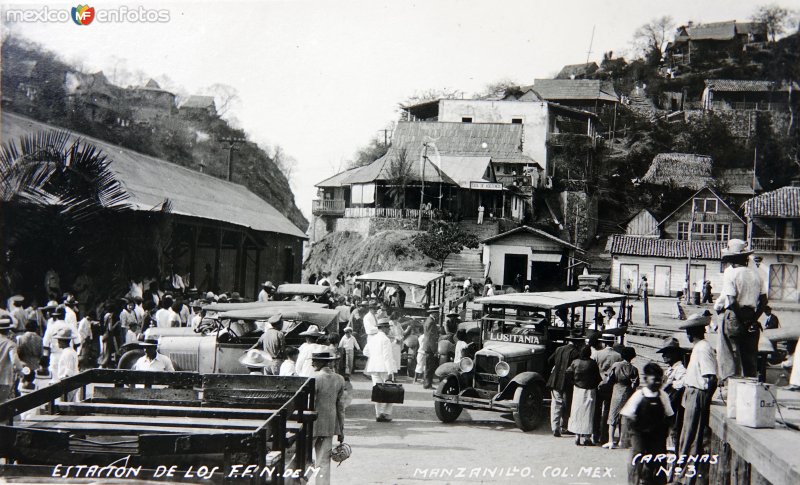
[(152, 421)]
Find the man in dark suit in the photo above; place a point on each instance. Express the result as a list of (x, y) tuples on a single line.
[(329, 404), (560, 389)]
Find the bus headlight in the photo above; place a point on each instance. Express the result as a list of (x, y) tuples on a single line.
[(502, 368), (465, 364)]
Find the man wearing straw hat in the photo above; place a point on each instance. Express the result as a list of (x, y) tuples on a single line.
[(8, 360), (304, 367), (329, 401), (699, 385), (743, 289), (152, 360)]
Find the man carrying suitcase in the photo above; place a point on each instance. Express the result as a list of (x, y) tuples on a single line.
[(381, 365)]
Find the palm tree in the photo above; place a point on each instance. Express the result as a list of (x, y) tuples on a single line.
[(57, 193)]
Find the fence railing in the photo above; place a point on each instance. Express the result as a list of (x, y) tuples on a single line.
[(328, 207), (750, 106), (772, 244), (392, 213)]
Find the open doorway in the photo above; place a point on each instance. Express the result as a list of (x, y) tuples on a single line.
[(515, 264)]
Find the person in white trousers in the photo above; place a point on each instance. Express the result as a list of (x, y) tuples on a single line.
[(381, 365)]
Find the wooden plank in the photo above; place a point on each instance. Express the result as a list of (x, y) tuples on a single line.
[(143, 394), (118, 429), (250, 424), (81, 408)]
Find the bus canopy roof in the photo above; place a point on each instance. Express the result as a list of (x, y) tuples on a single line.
[(226, 307), (551, 299), (302, 289), (414, 278), (321, 317)]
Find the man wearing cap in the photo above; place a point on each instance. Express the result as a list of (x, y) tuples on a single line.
[(273, 343), (560, 389), (329, 403), (672, 353), (431, 346), (9, 362), (700, 383), (746, 299), (152, 360), (381, 365), (304, 367), (266, 288)]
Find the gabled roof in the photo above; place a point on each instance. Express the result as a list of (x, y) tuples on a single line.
[(534, 231), (664, 248), (712, 31), (463, 169), (739, 85), (152, 84), (576, 71), (783, 202), (574, 89), (682, 169), (690, 199), (339, 179), (150, 181), (381, 170), (200, 102)]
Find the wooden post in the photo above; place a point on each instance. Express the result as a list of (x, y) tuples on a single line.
[(217, 254)]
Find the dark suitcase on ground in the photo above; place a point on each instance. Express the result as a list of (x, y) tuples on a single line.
[(388, 393)]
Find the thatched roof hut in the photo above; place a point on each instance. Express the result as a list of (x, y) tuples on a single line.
[(680, 169)]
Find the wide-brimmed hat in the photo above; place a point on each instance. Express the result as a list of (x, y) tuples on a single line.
[(149, 342), (267, 284), (696, 320), (453, 313), (17, 298), (323, 356), (383, 322), (64, 334), (736, 247), (210, 295), (5, 323), (609, 309), (373, 303), (670, 344), (255, 358), (608, 338), (311, 331)]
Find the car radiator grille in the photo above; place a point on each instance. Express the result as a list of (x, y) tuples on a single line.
[(187, 361), (485, 364)]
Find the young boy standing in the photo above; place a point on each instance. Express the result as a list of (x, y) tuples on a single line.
[(348, 343), (648, 413)]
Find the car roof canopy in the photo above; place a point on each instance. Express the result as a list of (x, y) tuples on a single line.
[(414, 278), (226, 307), (315, 315), (551, 299), (302, 289)]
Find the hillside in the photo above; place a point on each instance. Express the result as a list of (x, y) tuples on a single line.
[(36, 83)]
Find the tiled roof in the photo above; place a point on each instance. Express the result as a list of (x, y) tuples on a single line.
[(572, 89), (150, 181), (663, 248), (682, 169), (739, 85), (783, 202)]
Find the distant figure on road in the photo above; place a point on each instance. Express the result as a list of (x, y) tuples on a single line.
[(707, 296)]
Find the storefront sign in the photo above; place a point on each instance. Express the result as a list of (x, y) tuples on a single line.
[(485, 186), (785, 258), (517, 339)]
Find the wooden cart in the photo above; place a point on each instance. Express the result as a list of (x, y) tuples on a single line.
[(153, 421)]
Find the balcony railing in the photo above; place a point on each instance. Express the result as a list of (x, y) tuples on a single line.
[(750, 106), (392, 213), (772, 244), (328, 207)]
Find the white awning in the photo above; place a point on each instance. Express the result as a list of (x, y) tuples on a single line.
[(546, 257)]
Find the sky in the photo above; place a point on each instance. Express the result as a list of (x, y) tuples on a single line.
[(322, 77)]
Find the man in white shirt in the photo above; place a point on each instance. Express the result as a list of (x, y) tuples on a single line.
[(746, 299), (381, 365), (700, 383), (266, 288), (152, 360), (371, 319)]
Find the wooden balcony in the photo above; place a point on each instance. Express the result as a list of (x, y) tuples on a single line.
[(328, 207), (392, 213), (775, 245)]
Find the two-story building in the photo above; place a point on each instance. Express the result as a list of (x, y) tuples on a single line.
[(693, 234), (695, 42), (150, 102), (774, 234), (740, 94)]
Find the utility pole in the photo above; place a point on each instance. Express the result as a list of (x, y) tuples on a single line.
[(422, 188), (385, 137), (231, 146), (591, 41), (689, 263)]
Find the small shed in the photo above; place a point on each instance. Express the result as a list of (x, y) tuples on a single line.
[(541, 259)]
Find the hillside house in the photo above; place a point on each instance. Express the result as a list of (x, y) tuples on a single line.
[(19, 87), (545, 128), (700, 228), (542, 260), (578, 71), (592, 95), (774, 234), (198, 107), (100, 100), (149, 102), (697, 42), (737, 94)]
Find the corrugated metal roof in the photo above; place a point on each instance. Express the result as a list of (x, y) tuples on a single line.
[(149, 181), (463, 170), (573, 89), (664, 248), (381, 170), (534, 231), (783, 202), (339, 179)]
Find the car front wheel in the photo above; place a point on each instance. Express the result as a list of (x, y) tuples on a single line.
[(446, 412), (529, 407)]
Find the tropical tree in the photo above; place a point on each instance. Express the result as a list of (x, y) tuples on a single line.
[(399, 174), (443, 239), (774, 16)]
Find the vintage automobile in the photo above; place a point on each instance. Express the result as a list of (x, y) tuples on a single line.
[(519, 332), (303, 292), (217, 350), (421, 290)]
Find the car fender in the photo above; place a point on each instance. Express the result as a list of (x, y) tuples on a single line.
[(446, 369), (519, 380)]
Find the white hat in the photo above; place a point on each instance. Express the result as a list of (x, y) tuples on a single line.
[(255, 358)]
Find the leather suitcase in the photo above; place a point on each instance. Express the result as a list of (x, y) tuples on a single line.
[(388, 393)]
